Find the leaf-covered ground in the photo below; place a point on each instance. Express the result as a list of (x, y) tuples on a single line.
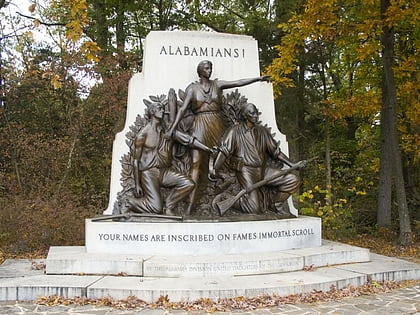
[(232, 304), (385, 242), (33, 255)]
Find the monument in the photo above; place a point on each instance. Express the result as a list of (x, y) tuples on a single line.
[(185, 172), (199, 170), (200, 191)]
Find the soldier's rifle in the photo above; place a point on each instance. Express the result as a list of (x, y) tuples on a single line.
[(225, 205)]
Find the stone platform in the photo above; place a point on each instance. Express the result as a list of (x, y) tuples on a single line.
[(19, 280), (77, 260)]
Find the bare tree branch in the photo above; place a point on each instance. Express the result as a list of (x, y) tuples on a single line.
[(40, 22)]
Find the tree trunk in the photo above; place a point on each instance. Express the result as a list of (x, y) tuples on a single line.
[(300, 119), (328, 180), (328, 162), (383, 214), (121, 34), (101, 23), (390, 103)]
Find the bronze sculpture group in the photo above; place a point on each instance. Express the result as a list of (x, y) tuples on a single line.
[(205, 145)]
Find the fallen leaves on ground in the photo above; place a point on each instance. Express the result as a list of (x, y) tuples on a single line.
[(231, 304), (5, 254), (38, 265), (384, 242)]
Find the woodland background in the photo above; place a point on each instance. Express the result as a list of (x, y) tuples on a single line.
[(346, 76)]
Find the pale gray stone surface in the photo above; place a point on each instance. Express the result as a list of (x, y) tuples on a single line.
[(73, 260), (383, 268), (14, 268), (332, 253), (32, 283), (30, 287), (202, 238), (205, 266), (182, 289)]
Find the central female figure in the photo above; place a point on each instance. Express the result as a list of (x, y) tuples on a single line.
[(204, 98)]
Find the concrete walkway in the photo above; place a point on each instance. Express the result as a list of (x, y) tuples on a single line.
[(401, 301)]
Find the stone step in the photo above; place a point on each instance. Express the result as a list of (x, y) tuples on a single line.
[(76, 260), (25, 284)]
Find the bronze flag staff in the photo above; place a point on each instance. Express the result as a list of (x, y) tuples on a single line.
[(129, 215)]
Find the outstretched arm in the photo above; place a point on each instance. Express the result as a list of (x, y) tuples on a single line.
[(241, 82)]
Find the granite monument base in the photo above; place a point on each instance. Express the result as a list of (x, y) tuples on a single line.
[(202, 237), (201, 249), (76, 260)]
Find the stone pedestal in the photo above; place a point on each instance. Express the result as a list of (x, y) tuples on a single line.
[(199, 249), (202, 238)]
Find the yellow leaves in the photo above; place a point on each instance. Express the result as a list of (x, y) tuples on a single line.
[(413, 113), (76, 12), (306, 195), (408, 79), (284, 65), (334, 210), (36, 23), (78, 7), (56, 81), (29, 35), (54, 78), (397, 12), (410, 143), (374, 165), (319, 19), (74, 30), (368, 49), (317, 22), (90, 50), (49, 300), (364, 104), (406, 70), (32, 7)]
